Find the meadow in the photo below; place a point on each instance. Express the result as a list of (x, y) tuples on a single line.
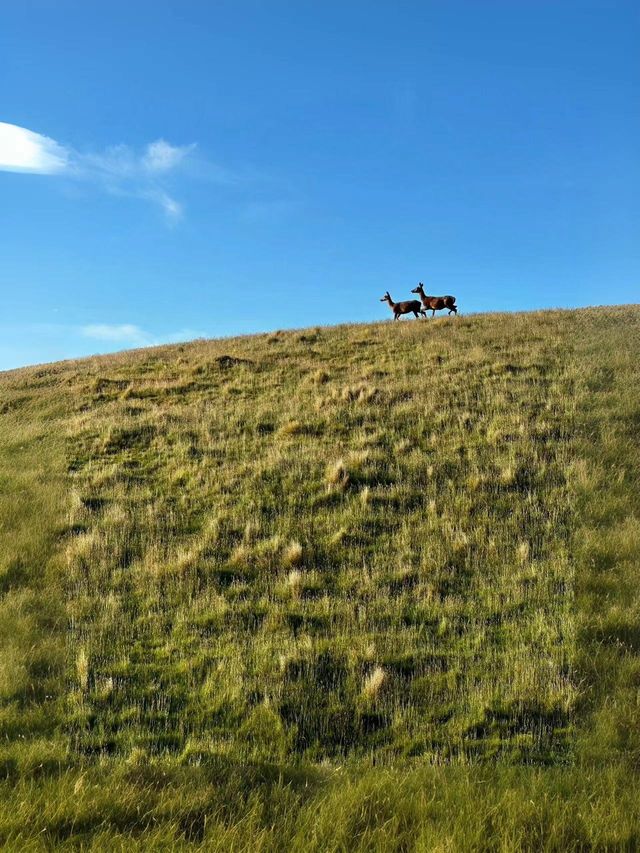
[(371, 587)]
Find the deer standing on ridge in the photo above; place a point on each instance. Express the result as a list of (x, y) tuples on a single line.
[(412, 306), (435, 303)]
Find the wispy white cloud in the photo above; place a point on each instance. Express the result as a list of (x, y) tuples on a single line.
[(172, 208), (32, 343), (22, 150), (160, 156), (129, 334), (122, 333), (119, 169)]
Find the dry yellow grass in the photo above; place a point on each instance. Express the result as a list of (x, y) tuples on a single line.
[(285, 550)]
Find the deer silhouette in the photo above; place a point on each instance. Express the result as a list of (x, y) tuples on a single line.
[(412, 306), (435, 303)]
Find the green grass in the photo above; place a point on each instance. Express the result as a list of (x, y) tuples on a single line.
[(366, 587)]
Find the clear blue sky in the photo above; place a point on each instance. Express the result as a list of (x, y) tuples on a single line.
[(213, 168)]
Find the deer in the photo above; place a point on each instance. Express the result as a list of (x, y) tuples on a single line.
[(435, 303), (412, 306)]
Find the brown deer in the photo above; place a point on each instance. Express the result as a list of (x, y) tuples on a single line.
[(435, 303), (412, 306)]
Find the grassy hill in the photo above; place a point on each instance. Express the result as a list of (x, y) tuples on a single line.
[(365, 587)]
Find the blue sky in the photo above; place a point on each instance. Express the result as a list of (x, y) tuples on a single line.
[(179, 169)]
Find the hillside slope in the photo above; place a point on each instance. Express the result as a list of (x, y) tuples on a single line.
[(335, 548)]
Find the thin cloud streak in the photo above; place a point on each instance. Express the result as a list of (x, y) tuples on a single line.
[(126, 333), (129, 334), (38, 343), (23, 150), (149, 173), (118, 170), (160, 156)]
